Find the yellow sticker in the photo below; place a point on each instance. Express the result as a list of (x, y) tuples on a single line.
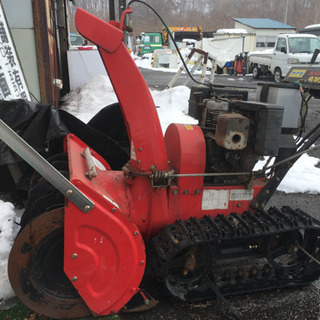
[(314, 79), (188, 127), (296, 73)]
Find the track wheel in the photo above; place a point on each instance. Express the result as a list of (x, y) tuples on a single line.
[(185, 275), (35, 269), (283, 252)]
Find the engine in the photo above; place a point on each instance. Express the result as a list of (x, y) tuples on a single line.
[(238, 134)]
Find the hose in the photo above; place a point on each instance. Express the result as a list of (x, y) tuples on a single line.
[(171, 36)]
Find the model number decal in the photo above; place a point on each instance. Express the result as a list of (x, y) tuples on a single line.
[(241, 194)]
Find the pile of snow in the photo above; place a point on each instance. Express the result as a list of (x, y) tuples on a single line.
[(303, 177), (146, 61), (89, 99), (312, 26), (172, 106), (8, 231)]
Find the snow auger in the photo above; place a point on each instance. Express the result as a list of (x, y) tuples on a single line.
[(191, 196)]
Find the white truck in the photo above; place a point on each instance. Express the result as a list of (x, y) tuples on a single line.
[(291, 50)]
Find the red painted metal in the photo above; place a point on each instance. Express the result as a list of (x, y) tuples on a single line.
[(186, 150), (104, 252), (132, 91), (104, 249)]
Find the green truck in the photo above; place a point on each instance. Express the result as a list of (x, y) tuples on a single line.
[(149, 42)]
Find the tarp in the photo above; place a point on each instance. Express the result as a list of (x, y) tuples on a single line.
[(42, 125), (223, 50)]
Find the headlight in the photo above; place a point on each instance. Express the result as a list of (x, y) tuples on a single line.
[(293, 61)]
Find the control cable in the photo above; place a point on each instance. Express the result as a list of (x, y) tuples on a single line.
[(171, 36)]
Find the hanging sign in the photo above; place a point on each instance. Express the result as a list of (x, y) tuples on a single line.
[(12, 82)]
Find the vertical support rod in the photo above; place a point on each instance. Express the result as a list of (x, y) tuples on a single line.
[(112, 13)]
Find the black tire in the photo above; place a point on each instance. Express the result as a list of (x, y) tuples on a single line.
[(277, 75), (256, 72)]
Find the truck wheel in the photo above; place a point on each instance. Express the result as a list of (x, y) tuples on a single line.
[(256, 72), (277, 75)]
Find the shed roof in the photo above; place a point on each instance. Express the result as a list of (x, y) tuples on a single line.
[(263, 23)]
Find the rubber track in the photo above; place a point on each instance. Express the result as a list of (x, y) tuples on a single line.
[(239, 253)]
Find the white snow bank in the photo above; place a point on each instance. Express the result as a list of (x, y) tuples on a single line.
[(87, 100), (172, 106), (312, 26), (303, 177), (147, 59), (8, 231)]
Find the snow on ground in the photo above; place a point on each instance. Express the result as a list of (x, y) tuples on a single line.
[(8, 231), (146, 62), (172, 106)]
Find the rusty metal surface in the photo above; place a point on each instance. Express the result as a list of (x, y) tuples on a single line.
[(36, 269), (44, 22)]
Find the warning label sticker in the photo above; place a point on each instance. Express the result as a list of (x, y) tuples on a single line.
[(215, 199)]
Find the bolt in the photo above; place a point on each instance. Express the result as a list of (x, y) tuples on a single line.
[(69, 193), (153, 167), (175, 192), (135, 233), (87, 208), (142, 263), (75, 256), (197, 191), (140, 149), (134, 290), (139, 161), (239, 204), (74, 279), (267, 191), (278, 179), (113, 209), (185, 191)]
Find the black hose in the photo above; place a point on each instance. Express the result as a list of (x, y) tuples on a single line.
[(171, 36)]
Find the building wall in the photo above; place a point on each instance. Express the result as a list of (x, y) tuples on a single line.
[(20, 21), (265, 38)]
